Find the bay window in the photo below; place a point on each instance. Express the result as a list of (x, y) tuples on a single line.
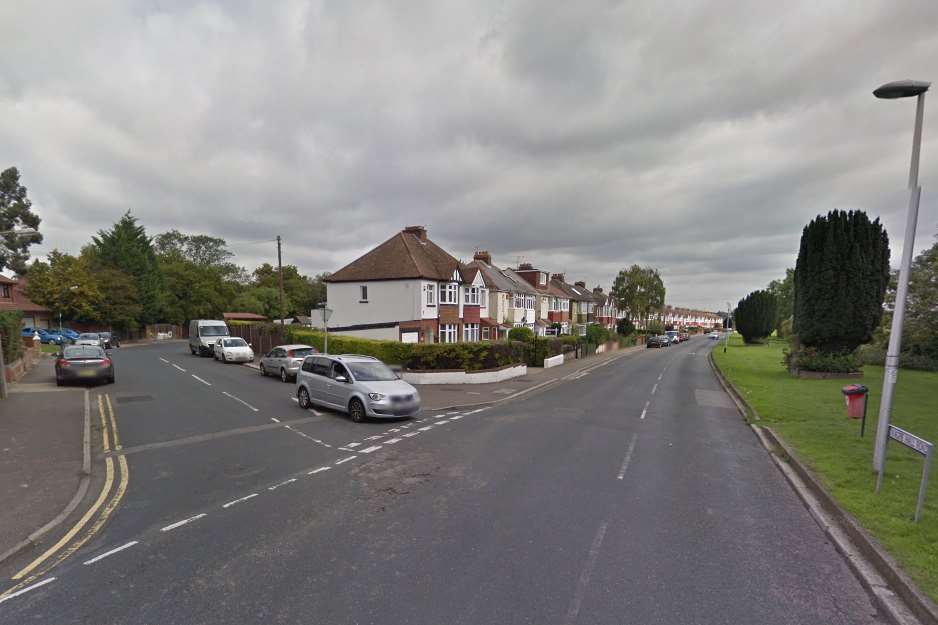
[(447, 333), (471, 296), (470, 332)]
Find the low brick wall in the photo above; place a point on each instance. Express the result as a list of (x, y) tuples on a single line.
[(16, 370)]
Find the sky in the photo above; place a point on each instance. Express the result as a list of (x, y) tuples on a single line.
[(582, 137)]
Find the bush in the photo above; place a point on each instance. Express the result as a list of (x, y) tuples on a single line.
[(654, 327), (11, 333), (785, 329), (418, 356), (625, 327), (755, 316), (521, 334), (840, 281), (812, 359), (596, 334)]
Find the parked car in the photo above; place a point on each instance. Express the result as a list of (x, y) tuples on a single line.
[(685, 336), (714, 335), (89, 338), (285, 361), (83, 363), (50, 336), (204, 334), (69, 334), (109, 339), (673, 336), (361, 386), (28, 332), (233, 349), (657, 341)]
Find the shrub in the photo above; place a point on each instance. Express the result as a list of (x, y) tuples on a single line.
[(521, 334), (813, 359), (11, 333), (596, 334), (785, 329), (625, 327), (840, 281), (755, 316)]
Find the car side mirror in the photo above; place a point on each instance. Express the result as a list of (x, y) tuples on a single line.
[(341, 378)]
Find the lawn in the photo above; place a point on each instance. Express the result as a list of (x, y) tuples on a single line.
[(811, 416), (50, 348)]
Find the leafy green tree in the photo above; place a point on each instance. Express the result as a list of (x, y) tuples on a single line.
[(625, 327), (66, 285), (755, 316), (15, 214), (298, 293), (127, 247), (639, 291), (784, 292), (193, 291), (840, 281), (119, 305)]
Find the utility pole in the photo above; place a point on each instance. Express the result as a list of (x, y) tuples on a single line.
[(280, 275)]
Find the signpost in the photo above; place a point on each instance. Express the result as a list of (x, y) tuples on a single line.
[(326, 313), (919, 446)]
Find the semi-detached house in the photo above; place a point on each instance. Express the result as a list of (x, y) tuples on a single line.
[(408, 289)]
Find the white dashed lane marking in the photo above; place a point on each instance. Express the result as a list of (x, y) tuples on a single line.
[(425, 428), (178, 367), (237, 501), (110, 553), (393, 441), (201, 380), (409, 434), (23, 591), (319, 470), (283, 483), (368, 450), (173, 526), (240, 401), (345, 459)]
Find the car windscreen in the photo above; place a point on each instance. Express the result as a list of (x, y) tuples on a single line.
[(371, 371), (83, 352), (213, 330), (234, 343), (104, 335), (88, 336), (300, 352)]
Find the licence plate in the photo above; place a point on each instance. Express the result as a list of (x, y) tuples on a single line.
[(87, 373)]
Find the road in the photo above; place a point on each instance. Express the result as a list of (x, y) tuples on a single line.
[(634, 494)]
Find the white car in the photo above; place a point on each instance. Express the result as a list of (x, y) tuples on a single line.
[(233, 350), (89, 338), (714, 335)]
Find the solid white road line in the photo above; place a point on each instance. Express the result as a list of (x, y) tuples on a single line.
[(628, 458), (345, 459), (584, 580), (283, 483), (319, 470), (23, 591), (231, 503), (654, 388), (170, 528), (164, 360), (178, 367), (201, 380), (110, 553), (368, 450), (240, 401)]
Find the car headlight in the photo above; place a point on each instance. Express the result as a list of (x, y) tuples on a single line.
[(376, 396)]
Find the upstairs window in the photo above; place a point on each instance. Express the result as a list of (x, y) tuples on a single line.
[(363, 294), (431, 295), (448, 293), (5, 291), (519, 300), (471, 296)]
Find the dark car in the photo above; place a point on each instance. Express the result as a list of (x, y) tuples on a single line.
[(657, 341), (109, 340), (83, 363), (685, 336)]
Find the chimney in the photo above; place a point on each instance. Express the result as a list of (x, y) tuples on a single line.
[(580, 284), (484, 256), (598, 289), (557, 276), (525, 267), (418, 231)]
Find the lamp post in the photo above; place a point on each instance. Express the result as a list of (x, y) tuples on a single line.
[(890, 91), (326, 313)]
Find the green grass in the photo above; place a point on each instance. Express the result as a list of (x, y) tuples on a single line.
[(811, 416), (49, 348)]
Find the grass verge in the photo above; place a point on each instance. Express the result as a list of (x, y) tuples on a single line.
[(811, 416)]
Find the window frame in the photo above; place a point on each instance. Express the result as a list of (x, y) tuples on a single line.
[(449, 333), (431, 296), (468, 294), (362, 293), (449, 293), (470, 332)]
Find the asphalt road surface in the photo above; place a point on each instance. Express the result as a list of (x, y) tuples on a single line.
[(633, 494)]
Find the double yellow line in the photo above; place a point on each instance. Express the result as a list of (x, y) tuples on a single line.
[(68, 544)]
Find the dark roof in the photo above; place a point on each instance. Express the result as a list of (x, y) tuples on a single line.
[(580, 293), (242, 316), (520, 284), (402, 256), (18, 300)]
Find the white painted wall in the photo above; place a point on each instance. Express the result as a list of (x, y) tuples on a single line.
[(388, 300), (385, 334), (462, 377)]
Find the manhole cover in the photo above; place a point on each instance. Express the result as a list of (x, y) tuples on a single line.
[(132, 398)]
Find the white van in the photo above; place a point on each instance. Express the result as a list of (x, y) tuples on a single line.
[(203, 333)]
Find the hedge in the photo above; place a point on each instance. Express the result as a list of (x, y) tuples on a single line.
[(11, 333), (417, 356)]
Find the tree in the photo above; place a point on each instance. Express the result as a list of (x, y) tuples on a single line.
[(920, 330), (784, 292), (840, 281), (298, 295), (127, 247), (639, 291), (15, 213), (119, 305), (66, 285), (624, 326), (755, 316)]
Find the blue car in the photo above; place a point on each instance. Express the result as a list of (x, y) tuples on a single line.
[(51, 336), (28, 332), (69, 334)]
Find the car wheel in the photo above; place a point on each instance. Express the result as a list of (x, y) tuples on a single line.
[(283, 376), (302, 397), (356, 410), (263, 370), (223, 358)]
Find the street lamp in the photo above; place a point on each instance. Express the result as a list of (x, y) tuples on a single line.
[(890, 91), (326, 313)]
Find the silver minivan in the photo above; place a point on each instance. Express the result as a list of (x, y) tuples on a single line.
[(362, 386), (285, 361)]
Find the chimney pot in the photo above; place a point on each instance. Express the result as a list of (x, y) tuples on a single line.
[(580, 284), (525, 267), (484, 256), (557, 276)]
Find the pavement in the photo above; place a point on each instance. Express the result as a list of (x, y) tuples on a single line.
[(41, 454), (631, 492)]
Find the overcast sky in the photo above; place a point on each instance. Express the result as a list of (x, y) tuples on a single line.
[(582, 137)]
